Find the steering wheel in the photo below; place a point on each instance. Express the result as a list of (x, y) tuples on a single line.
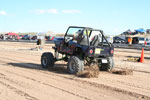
[(67, 39)]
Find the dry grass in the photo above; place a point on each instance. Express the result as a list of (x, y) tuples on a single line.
[(134, 59)]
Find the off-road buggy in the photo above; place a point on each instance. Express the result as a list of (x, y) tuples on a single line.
[(81, 46)]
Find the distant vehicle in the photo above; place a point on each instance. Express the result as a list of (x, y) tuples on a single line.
[(47, 38), (141, 40), (12, 36), (21, 36), (33, 37), (26, 37), (58, 39), (17, 38), (52, 38), (1, 36), (118, 40), (147, 42)]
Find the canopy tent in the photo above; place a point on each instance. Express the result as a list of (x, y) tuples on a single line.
[(12, 34), (140, 30)]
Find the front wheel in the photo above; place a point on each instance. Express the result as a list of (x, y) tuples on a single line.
[(47, 60), (107, 66), (75, 65)]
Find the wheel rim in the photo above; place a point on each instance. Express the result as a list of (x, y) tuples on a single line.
[(72, 66), (44, 61)]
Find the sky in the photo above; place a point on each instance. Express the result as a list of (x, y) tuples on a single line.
[(111, 16)]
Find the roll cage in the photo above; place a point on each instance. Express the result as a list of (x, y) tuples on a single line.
[(86, 29)]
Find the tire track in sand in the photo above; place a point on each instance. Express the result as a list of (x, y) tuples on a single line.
[(2, 76), (19, 92), (91, 83), (100, 86)]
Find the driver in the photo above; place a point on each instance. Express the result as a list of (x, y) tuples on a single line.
[(78, 35), (81, 35)]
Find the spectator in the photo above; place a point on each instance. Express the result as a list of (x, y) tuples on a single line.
[(38, 44), (130, 41)]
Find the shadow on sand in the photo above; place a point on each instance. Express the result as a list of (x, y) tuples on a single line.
[(137, 57), (58, 68)]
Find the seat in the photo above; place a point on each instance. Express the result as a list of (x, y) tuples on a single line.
[(95, 41), (83, 41)]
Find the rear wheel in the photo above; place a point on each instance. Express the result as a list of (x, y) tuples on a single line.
[(47, 60), (107, 66), (75, 65)]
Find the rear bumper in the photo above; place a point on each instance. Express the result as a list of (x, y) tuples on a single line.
[(99, 52)]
